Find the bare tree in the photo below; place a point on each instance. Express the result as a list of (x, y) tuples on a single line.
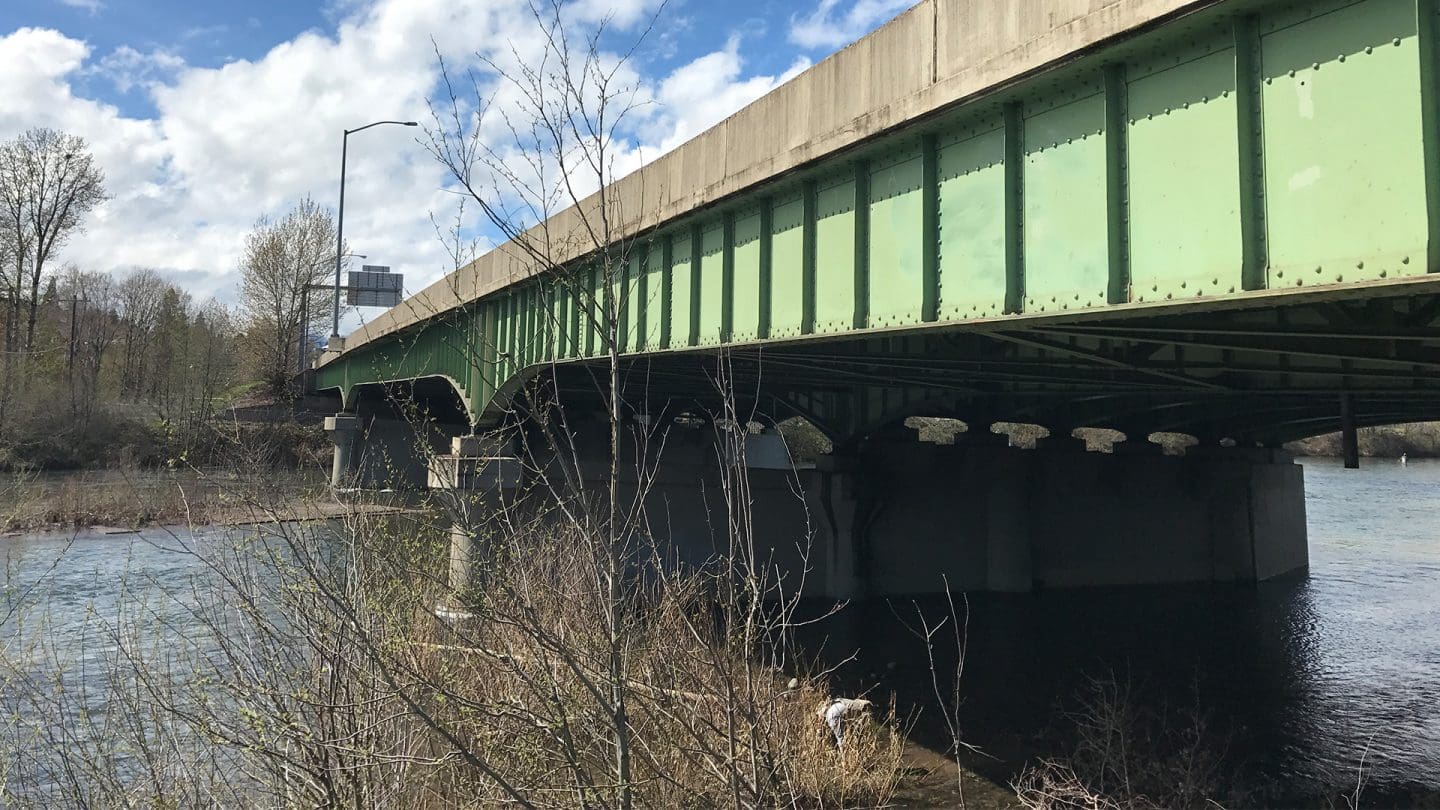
[(95, 328), (281, 258), (565, 114), (588, 671), (48, 183), (212, 359), (138, 303)]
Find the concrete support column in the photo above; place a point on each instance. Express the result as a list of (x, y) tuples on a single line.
[(1009, 563), (834, 498), (343, 428), (465, 558), (1349, 438), (475, 464)]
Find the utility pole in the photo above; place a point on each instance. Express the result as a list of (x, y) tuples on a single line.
[(70, 361)]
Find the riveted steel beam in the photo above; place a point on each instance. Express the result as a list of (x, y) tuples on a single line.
[(1250, 122), (862, 244), (1428, 30), (727, 279), (807, 258), (767, 205), (929, 228), (696, 252), (1014, 209), (667, 288), (1117, 193)]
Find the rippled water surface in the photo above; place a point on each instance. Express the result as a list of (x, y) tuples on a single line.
[(1307, 674), (1303, 676)]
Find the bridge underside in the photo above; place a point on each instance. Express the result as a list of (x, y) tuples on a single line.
[(1264, 375)]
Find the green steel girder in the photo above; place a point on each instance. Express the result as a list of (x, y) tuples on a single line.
[(1244, 201)]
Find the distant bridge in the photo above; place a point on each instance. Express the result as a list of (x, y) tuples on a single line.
[(1218, 218)]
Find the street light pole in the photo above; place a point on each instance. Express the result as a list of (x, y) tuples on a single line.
[(340, 223), (305, 310)]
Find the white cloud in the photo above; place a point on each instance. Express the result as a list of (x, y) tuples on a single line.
[(830, 27), (249, 138), (704, 92), (92, 6), (128, 68)]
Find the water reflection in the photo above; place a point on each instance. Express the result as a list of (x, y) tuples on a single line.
[(1305, 674)]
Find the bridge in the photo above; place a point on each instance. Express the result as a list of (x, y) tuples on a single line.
[(1214, 218)]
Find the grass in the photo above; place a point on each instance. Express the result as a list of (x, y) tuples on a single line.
[(134, 498)]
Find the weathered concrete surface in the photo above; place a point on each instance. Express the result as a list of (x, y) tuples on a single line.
[(936, 55), (342, 428), (911, 518), (906, 517), (1003, 519), (381, 452)]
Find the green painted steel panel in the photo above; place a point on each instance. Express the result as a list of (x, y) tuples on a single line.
[(680, 290), (654, 303), (1184, 179), (524, 353), (612, 309), (512, 332), (531, 353), (746, 318), (502, 339), (972, 226), (592, 309), (517, 342), (560, 311), (787, 270), (835, 257), (712, 283), (569, 325), (485, 356), (1343, 145), (897, 277), (627, 286), (1067, 259)]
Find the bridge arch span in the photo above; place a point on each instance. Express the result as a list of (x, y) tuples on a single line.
[(434, 397)]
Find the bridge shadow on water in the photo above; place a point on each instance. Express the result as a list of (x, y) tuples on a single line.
[(1244, 660)]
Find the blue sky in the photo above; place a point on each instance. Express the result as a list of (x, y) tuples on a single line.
[(208, 115)]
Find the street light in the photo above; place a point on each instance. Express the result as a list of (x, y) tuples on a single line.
[(305, 306), (340, 225)]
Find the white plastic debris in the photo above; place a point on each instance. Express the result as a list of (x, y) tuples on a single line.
[(839, 710)]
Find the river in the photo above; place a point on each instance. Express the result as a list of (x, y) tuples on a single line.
[(1300, 678), (1303, 677)]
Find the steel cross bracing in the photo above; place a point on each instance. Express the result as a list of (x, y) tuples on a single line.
[(1220, 226)]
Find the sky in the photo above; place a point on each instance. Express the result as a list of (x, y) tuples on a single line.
[(206, 115)]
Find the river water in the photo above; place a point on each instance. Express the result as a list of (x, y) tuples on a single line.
[(1302, 677), (1299, 679)]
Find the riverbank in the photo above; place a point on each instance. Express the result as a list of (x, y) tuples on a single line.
[(1416, 440), (116, 500)]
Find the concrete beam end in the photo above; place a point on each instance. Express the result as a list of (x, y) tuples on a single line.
[(341, 423)]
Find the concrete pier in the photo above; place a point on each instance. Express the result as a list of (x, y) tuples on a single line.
[(473, 466), (905, 517), (1003, 519), (343, 428), (908, 518)]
